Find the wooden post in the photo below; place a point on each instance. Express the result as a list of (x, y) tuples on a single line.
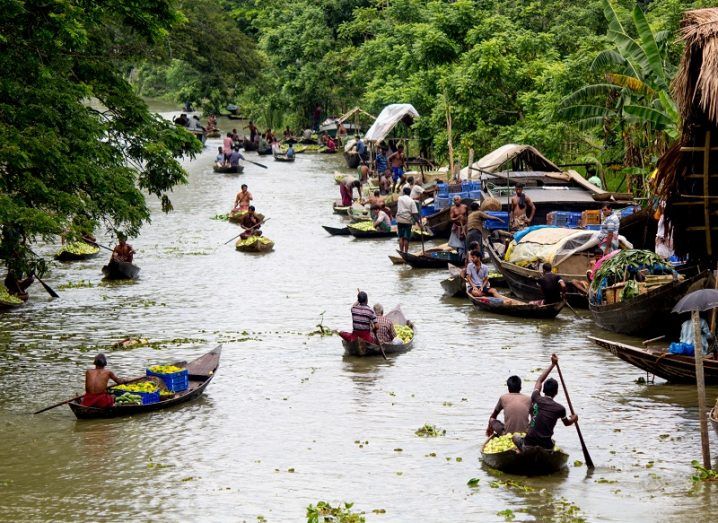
[(706, 192), (701, 385), (450, 141)]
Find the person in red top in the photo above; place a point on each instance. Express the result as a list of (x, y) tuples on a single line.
[(96, 380), (330, 144)]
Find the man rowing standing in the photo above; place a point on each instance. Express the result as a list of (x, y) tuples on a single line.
[(545, 412), (516, 411), (244, 197), (96, 380), (457, 215)]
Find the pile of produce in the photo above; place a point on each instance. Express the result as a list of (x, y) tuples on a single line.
[(143, 386), (416, 230), (166, 394), (7, 298), (624, 266), (252, 240), (235, 216), (78, 248), (128, 399), (501, 444), (363, 226), (404, 332), (165, 369)]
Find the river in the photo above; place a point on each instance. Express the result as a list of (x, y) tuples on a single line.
[(290, 421)]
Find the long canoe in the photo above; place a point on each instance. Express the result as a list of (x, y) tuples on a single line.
[(341, 209), (519, 310), (117, 270), (66, 255), (362, 348), (438, 259), (337, 231), (201, 371), (229, 169), (671, 367), (532, 461), (257, 246), (648, 313), (283, 158)]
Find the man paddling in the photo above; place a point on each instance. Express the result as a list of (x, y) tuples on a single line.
[(552, 286), (251, 223), (243, 199), (123, 252), (545, 412), (96, 380), (363, 318), (516, 410)]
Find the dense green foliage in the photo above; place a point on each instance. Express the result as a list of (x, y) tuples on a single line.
[(77, 146)]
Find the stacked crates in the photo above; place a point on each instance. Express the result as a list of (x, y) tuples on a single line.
[(569, 220), (495, 225), (176, 381)]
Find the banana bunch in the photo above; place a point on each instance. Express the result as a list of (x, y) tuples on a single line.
[(252, 240), (501, 444), (8, 298), (128, 399), (404, 332), (165, 369), (78, 248), (363, 226), (144, 386)]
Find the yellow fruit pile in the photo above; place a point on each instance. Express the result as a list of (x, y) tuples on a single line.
[(363, 226), (6, 297), (165, 369), (78, 248), (501, 444), (252, 240), (144, 386), (404, 332)]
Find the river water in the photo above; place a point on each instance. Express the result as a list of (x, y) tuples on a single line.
[(290, 421)]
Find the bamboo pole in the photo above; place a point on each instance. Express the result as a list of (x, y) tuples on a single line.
[(706, 192), (701, 386), (449, 138)]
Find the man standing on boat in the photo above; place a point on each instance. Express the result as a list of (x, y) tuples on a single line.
[(475, 226), (398, 162), (406, 214), (457, 215), (608, 237), (521, 204), (123, 252), (244, 197), (545, 412), (96, 380), (516, 410)]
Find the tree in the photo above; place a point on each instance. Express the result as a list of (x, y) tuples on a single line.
[(78, 148)]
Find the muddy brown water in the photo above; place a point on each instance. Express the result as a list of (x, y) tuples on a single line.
[(289, 420)]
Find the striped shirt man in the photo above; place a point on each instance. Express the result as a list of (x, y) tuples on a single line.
[(385, 332), (362, 317)]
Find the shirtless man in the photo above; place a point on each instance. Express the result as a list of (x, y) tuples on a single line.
[(251, 224), (241, 202), (376, 199), (397, 160), (520, 203), (123, 252), (96, 380), (457, 215)]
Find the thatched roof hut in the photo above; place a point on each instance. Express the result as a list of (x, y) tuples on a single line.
[(688, 173)]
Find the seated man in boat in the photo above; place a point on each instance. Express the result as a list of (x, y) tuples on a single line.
[(235, 157), (96, 380), (608, 237), (522, 209), (287, 134), (181, 120), (123, 251), (552, 286), (545, 412), (219, 159), (346, 190), (476, 275), (363, 318), (251, 223), (688, 334), (290, 151), (384, 328), (211, 123), (382, 221), (241, 202), (516, 410)]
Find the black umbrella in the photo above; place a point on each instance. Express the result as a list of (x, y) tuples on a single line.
[(701, 300)]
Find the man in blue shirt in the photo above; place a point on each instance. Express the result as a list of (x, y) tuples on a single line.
[(290, 151), (477, 278), (361, 148)]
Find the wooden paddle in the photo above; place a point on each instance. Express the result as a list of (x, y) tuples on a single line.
[(381, 346), (586, 455), (256, 163), (245, 230), (47, 287), (81, 395), (98, 245), (572, 309)]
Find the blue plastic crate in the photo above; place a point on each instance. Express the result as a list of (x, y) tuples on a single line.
[(593, 227), (441, 202), (443, 189), (566, 219), (426, 210), (176, 382), (628, 211), (467, 186), (147, 397), (475, 195), (495, 225)]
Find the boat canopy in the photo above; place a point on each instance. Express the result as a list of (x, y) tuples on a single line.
[(511, 157), (550, 244), (389, 117), (352, 112)]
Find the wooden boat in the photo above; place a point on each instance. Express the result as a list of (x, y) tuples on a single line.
[(396, 260), (659, 362), (6, 305), (533, 461), (65, 255), (648, 313), (362, 348), (117, 270), (361, 234), (214, 133), (337, 231), (353, 159), (341, 209), (283, 158), (257, 246), (454, 286), (520, 310), (431, 259), (229, 169), (264, 152), (524, 282), (201, 371)]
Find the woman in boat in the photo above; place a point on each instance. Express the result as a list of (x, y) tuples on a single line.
[(346, 190), (331, 145)]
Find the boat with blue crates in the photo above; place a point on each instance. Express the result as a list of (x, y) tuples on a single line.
[(174, 381), (199, 375)]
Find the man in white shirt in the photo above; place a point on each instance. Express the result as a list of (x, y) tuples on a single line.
[(406, 215)]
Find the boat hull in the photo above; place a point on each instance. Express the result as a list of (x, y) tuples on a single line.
[(430, 262), (527, 310), (120, 271), (353, 160), (533, 461), (70, 256), (337, 231), (237, 169)]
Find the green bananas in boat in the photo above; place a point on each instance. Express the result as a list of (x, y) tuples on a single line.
[(504, 443), (145, 386), (404, 332), (128, 399), (363, 226), (6, 297), (78, 248), (252, 240)]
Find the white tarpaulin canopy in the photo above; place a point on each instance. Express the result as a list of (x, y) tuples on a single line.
[(387, 120), (525, 156)]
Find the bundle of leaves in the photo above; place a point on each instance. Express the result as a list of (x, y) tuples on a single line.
[(624, 265)]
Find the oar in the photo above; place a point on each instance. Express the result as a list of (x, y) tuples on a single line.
[(586, 455), (47, 287), (245, 230), (256, 163), (81, 395), (572, 309), (98, 245), (381, 346)]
